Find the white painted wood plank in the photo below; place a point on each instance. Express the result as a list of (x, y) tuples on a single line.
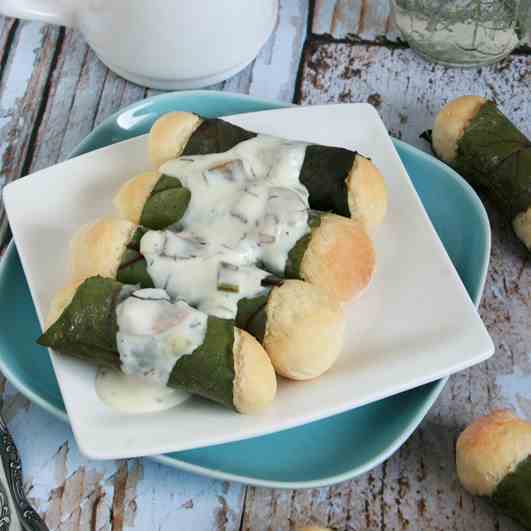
[(408, 91), (359, 19), (24, 78), (274, 71), (54, 128), (7, 27), (116, 94), (371, 20), (417, 488), (70, 491)]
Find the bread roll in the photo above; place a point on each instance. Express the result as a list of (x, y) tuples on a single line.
[(474, 136), (338, 180), (132, 195), (82, 329), (169, 135), (339, 258), (489, 449), (450, 124), (97, 248), (304, 330), (367, 193), (255, 382)]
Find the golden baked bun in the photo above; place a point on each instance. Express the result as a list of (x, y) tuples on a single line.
[(489, 449), (304, 330), (339, 258)]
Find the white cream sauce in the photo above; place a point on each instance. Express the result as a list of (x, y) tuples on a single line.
[(133, 394), (153, 333), (247, 208)]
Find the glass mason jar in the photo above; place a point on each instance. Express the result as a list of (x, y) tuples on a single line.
[(459, 32)]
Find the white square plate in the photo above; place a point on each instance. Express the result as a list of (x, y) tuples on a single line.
[(414, 324)]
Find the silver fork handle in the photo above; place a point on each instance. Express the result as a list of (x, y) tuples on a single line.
[(15, 510)]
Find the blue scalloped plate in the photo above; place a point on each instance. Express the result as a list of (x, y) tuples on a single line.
[(320, 453)]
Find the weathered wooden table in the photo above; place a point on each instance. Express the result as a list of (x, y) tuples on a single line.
[(53, 91)]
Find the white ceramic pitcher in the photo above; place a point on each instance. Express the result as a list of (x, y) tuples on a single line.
[(164, 44)]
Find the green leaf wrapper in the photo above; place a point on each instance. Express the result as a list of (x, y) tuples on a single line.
[(87, 327), (87, 330), (209, 370), (296, 254), (324, 173), (133, 267), (215, 136), (513, 494), (166, 204), (494, 154), (252, 315), (251, 312)]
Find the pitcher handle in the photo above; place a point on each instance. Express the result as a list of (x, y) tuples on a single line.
[(50, 11)]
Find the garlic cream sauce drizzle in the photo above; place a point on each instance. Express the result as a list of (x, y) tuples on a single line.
[(153, 333), (247, 209)]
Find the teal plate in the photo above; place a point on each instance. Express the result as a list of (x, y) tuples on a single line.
[(320, 453)]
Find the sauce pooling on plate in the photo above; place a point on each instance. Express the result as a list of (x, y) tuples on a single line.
[(247, 210), (134, 394)]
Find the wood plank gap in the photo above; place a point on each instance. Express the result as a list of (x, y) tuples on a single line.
[(382, 497), (522, 50), (100, 96), (244, 502), (5, 230), (26, 166), (321, 39), (354, 38), (307, 43), (6, 48)]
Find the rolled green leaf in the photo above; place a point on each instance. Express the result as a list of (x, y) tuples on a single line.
[(87, 327), (494, 154), (337, 179), (324, 173), (166, 204), (513, 494), (215, 136), (480, 142), (252, 316), (493, 458), (87, 330), (133, 267), (296, 254), (209, 370)]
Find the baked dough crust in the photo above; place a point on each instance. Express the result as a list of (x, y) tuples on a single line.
[(169, 135), (97, 248), (304, 330), (450, 124), (490, 448), (133, 194), (255, 381), (367, 193), (339, 257)]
